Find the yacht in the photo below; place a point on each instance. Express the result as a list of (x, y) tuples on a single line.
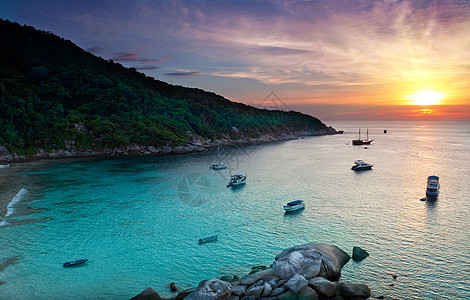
[(236, 180), (294, 205), (361, 165), (218, 166), (433, 187)]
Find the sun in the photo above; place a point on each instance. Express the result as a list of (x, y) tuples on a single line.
[(426, 97)]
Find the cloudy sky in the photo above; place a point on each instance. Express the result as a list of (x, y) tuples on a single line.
[(356, 60)]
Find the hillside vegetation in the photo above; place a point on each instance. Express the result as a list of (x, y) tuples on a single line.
[(53, 93)]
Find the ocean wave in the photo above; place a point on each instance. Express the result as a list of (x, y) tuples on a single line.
[(10, 206)]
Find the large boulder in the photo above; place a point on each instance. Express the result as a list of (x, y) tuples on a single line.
[(322, 286), (307, 293), (183, 294), (166, 150), (214, 289), (267, 289), (296, 283), (147, 294), (305, 262), (181, 150), (311, 260), (250, 279), (359, 254), (5, 154), (239, 290), (354, 290), (154, 150), (255, 291)]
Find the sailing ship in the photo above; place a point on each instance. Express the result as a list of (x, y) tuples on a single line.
[(362, 142)]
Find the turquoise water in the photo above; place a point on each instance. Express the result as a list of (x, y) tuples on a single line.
[(138, 220)]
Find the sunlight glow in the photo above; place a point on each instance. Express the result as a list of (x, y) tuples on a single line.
[(426, 97)]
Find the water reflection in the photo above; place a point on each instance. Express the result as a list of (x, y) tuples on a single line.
[(291, 214), (237, 188), (431, 202)]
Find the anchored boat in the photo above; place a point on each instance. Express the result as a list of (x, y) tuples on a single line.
[(362, 142), (75, 262), (208, 239), (236, 180), (433, 187), (361, 165), (218, 166), (294, 205)]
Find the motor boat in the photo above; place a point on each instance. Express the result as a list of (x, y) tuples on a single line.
[(294, 205), (218, 166), (236, 180), (361, 165), (208, 239), (433, 187), (75, 262)]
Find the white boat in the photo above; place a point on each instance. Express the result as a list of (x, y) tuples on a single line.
[(218, 166), (433, 187), (236, 180), (361, 165), (294, 205)]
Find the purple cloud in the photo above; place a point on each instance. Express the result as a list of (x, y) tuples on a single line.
[(125, 57), (130, 57), (146, 67), (183, 74), (149, 60)]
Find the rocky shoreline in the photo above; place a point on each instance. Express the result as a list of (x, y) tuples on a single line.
[(196, 143), (308, 271)]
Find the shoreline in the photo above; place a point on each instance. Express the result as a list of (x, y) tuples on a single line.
[(196, 144)]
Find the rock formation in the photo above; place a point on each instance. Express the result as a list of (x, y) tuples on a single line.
[(308, 271)]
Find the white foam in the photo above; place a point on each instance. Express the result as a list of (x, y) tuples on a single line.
[(10, 208), (4, 166)]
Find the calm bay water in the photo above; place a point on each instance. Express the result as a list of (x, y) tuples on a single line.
[(138, 220)]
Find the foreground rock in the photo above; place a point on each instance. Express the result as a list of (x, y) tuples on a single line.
[(359, 254), (308, 271), (311, 260), (214, 289), (147, 294)]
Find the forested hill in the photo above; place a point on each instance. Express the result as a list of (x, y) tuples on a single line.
[(54, 93)]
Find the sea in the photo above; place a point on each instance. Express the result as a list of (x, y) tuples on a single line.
[(138, 219)]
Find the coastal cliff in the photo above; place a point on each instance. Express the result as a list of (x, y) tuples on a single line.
[(195, 144), (58, 100)]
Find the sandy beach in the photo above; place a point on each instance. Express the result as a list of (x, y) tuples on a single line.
[(12, 181)]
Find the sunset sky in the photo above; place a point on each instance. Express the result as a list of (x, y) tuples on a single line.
[(336, 60)]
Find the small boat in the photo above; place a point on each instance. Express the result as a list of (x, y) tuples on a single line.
[(362, 142), (75, 262), (208, 239), (433, 187), (361, 165), (218, 166), (294, 205), (236, 180)]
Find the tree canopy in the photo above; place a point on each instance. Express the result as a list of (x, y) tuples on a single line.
[(52, 93)]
